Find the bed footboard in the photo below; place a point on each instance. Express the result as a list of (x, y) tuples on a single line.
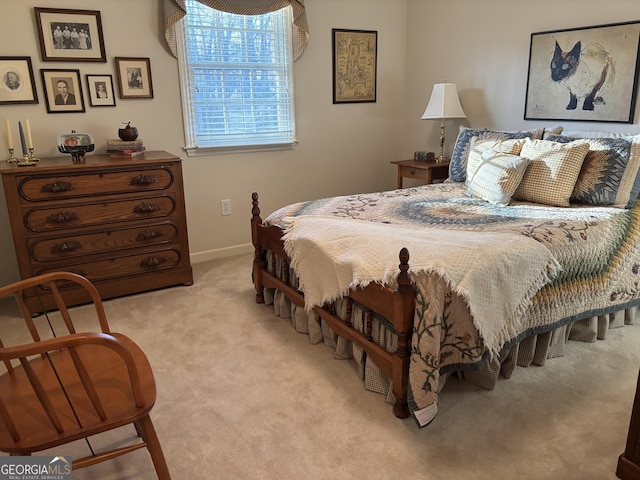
[(396, 305)]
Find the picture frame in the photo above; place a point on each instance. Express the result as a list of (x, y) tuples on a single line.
[(355, 64), (17, 83), (62, 85), (584, 74), (83, 43), (101, 91), (134, 77)]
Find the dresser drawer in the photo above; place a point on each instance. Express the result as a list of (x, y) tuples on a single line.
[(70, 246), (44, 219), (122, 266), (42, 188)]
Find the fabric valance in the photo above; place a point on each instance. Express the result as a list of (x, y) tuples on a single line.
[(174, 10)]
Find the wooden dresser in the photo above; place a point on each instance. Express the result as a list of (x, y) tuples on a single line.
[(629, 461), (119, 222)]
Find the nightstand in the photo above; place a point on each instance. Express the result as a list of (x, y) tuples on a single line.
[(426, 171)]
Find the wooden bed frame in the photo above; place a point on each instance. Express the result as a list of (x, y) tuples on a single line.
[(396, 305)]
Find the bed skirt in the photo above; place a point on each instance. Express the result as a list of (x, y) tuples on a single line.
[(532, 350)]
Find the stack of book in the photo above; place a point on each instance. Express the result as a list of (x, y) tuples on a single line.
[(122, 148)]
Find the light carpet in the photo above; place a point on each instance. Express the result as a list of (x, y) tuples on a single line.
[(241, 395)]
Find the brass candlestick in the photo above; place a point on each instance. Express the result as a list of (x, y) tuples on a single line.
[(11, 158), (28, 160), (32, 157)]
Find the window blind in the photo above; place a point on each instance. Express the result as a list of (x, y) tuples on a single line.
[(238, 74)]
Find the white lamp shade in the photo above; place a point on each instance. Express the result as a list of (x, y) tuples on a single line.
[(444, 103)]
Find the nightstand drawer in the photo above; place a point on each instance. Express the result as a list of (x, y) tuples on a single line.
[(428, 172), (409, 172)]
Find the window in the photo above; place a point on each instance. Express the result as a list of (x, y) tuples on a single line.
[(236, 75)]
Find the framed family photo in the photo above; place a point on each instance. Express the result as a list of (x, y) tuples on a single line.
[(355, 56), (62, 91), (101, 93), (134, 77), (584, 74), (70, 35), (17, 82)]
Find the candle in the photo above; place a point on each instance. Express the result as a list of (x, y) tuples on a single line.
[(28, 129), (22, 141), (9, 139)]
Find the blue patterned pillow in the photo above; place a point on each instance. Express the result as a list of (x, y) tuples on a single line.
[(609, 174), (458, 165)]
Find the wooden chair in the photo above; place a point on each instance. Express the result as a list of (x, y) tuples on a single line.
[(64, 381)]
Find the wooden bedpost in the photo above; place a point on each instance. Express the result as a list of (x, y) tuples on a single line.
[(258, 256), (405, 310)]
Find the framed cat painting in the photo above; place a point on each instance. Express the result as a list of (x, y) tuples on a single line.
[(584, 74)]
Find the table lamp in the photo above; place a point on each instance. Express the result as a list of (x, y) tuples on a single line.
[(443, 104)]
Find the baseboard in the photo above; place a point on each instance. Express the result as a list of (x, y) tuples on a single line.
[(221, 253)]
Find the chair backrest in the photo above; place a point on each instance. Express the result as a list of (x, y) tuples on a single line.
[(53, 323), (66, 375)]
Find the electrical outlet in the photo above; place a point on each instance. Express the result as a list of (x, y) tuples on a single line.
[(225, 207)]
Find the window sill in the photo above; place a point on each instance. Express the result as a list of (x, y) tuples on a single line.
[(207, 151)]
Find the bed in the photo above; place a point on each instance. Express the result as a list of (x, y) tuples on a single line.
[(532, 241)]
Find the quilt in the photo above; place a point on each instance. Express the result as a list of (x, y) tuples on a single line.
[(595, 268)]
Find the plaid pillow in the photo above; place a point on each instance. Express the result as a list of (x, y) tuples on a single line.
[(552, 171)]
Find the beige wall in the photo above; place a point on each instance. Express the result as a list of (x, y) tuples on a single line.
[(343, 148), (483, 47), (480, 45)]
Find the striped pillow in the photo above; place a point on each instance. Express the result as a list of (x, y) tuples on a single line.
[(479, 145), (497, 176), (552, 171)]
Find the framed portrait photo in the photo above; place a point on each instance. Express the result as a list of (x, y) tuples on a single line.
[(17, 84), (101, 93), (355, 57), (62, 91), (70, 35), (134, 77), (584, 74)]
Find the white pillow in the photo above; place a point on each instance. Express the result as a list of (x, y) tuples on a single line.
[(496, 177), (589, 134), (479, 145)]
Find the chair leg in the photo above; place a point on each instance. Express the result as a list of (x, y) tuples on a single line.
[(145, 428)]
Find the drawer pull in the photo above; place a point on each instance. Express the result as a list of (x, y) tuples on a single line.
[(148, 235), (152, 262), (143, 180), (56, 187), (68, 246), (145, 207), (62, 217)]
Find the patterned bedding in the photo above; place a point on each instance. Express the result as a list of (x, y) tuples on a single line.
[(598, 249)]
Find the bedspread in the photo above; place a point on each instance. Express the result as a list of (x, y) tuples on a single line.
[(597, 248)]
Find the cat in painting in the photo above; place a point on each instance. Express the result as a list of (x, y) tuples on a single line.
[(584, 72)]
